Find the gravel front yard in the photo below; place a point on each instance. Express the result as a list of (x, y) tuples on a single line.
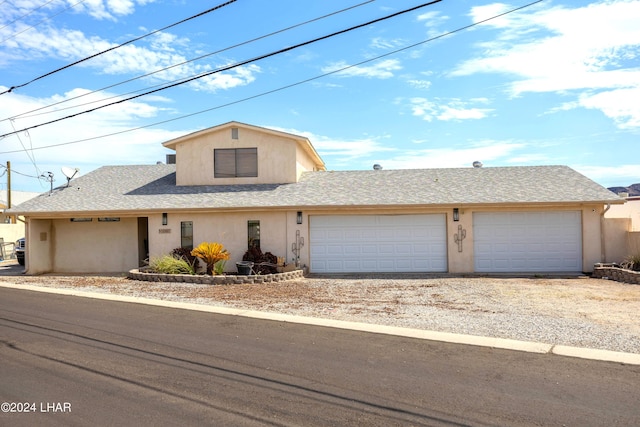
[(580, 311)]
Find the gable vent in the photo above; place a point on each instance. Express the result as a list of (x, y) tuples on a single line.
[(171, 159)]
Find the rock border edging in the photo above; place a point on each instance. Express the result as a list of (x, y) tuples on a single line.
[(615, 272), (224, 279)]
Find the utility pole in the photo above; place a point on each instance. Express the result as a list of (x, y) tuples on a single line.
[(13, 221), (8, 184)]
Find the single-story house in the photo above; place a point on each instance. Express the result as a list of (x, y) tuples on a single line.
[(243, 185)]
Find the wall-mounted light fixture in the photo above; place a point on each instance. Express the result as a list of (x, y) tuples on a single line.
[(456, 214), (165, 220), (299, 218)]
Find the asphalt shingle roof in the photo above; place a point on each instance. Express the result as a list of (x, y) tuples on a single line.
[(153, 188)]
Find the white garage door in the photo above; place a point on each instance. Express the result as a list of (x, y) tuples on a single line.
[(527, 242), (378, 243)]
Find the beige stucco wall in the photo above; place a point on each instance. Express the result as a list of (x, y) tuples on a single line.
[(622, 230), (95, 246), (630, 210), (616, 231), (303, 163), (230, 229), (39, 249), (10, 233), (276, 158), (633, 243), (62, 246)]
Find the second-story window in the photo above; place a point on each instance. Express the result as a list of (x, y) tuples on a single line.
[(235, 162)]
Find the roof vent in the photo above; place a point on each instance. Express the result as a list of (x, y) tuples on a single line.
[(377, 167), (477, 164)]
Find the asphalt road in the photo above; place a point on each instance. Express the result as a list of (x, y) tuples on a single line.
[(76, 361)]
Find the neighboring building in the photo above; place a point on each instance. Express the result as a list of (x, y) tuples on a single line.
[(11, 227), (622, 229), (17, 197), (243, 185)]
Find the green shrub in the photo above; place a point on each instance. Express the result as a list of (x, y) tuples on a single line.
[(632, 262), (171, 265)]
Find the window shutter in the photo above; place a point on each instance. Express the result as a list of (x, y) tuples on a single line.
[(224, 163), (246, 162)]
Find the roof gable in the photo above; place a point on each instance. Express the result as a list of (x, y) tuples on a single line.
[(303, 142)]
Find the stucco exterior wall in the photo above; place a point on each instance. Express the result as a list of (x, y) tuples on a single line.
[(633, 243), (64, 246), (230, 229), (616, 231), (276, 158), (630, 210), (460, 255), (94, 247), (10, 233), (39, 234), (303, 163), (622, 230)]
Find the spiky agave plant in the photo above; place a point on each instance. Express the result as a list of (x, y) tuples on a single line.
[(210, 253), (632, 262)]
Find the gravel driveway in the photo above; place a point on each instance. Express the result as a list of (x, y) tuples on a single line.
[(577, 311)]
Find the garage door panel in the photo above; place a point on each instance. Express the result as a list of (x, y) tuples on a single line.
[(378, 243), (528, 241)]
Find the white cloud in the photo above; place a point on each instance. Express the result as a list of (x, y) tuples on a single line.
[(487, 151), (130, 59), (386, 44), (345, 151), (481, 13), (620, 105), (379, 70), (558, 49), (432, 20), (612, 176), (139, 147), (445, 110), (108, 9), (419, 84)]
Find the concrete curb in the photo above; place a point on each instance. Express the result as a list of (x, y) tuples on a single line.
[(500, 343)]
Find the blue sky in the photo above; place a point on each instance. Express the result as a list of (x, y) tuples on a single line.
[(557, 82)]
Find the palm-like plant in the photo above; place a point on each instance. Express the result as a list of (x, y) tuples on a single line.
[(210, 253)]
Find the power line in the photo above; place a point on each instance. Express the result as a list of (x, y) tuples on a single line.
[(337, 71), (27, 14), (119, 46), (175, 65), (239, 64), (40, 22)]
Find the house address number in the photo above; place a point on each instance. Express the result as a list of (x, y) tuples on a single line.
[(164, 231)]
